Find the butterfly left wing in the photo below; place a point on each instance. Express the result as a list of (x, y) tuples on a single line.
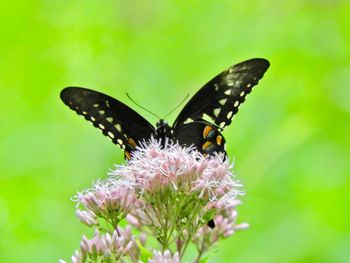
[(220, 97), (124, 126)]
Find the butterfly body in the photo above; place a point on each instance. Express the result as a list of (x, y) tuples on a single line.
[(217, 101)]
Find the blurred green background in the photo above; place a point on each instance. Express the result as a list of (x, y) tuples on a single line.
[(290, 140)]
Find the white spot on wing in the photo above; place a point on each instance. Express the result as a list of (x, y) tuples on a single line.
[(236, 103), (241, 94), (101, 126), (188, 120), (95, 105), (230, 83), (223, 101), (118, 127), (120, 141), (111, 135), (107, 103), (216, 87), (101, 112), (222, 124), (229, 115), (109, 119), (216, 112), (228, 92), (92, 118), (84, 112), (249, 85)]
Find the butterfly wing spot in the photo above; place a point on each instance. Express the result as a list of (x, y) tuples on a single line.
[(219, 139), (107, 104), (216, 87), (249, 85), (101, 112), (206, 145), (236, 103), (229, 115), (188, 120), (84, 112), (228, 92), (92, 118), (206, 131), (222, 101), (222, 125), (242, 94), (118, 127), (120, 142), (131, 142), (101, 126), (127, 155), (111, 135), (95, 105), (216, 112), (109, 119), (230, 83)]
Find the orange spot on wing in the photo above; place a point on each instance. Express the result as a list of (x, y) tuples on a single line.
[(206, 131), (131, 142), (219, 139), (206, 145), (127, 155)]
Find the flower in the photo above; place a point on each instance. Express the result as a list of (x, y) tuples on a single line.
[(167, 193), (165, 257), (109, 199), (177, 188), (107, 247)]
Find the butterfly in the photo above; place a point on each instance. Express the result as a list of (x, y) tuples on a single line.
[(199, 124)]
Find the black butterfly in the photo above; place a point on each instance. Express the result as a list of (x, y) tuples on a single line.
[(219, 100)]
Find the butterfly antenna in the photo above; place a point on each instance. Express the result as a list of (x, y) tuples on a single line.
[(177, 106), (141, 106)]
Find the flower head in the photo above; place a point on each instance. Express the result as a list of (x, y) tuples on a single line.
[(109, 199), (177, 187), (165, 257)]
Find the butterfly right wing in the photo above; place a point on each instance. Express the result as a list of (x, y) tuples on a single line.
[(220, 97), (124, 126)]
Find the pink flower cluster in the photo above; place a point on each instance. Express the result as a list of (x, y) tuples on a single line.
[(165, 257), (168, 193)]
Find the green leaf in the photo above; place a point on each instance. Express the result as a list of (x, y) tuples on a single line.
[(205, 259)]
